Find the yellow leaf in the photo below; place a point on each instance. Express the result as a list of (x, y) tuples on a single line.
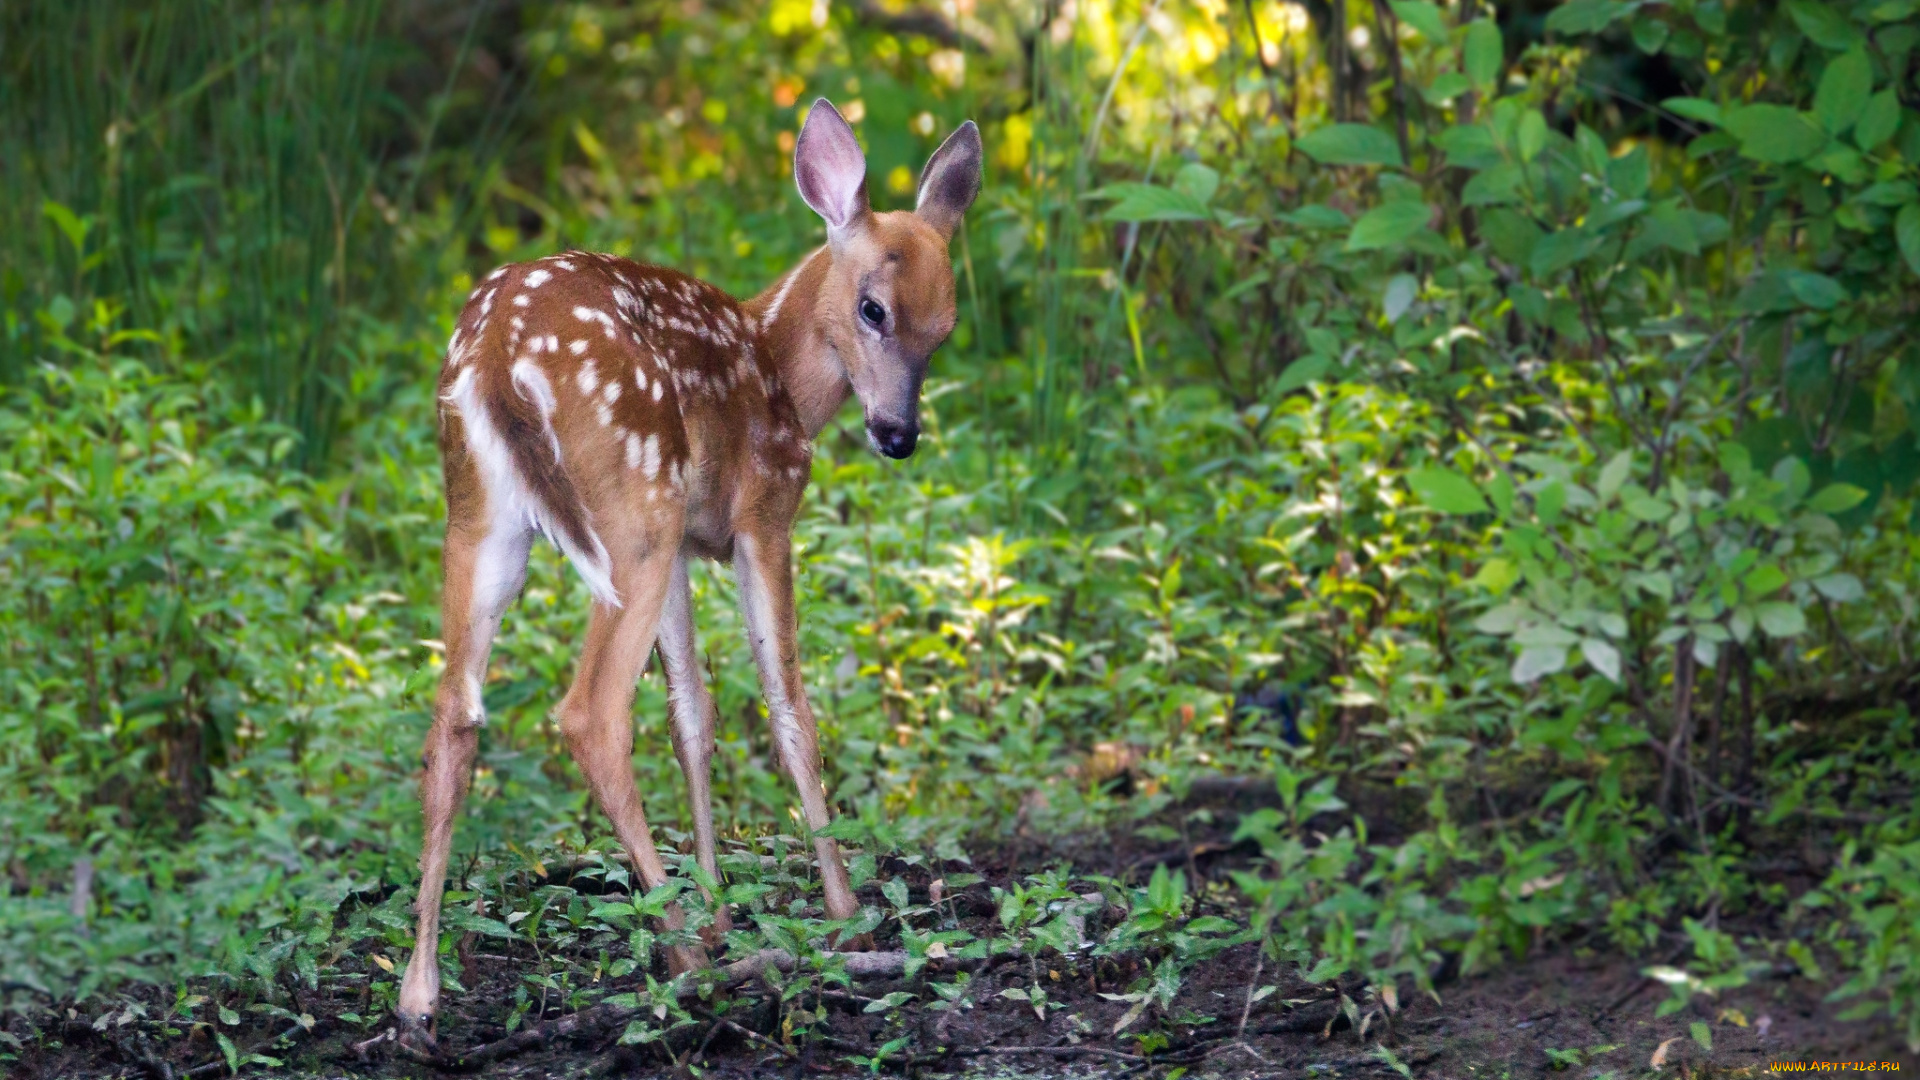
[(1659, 1057), (385, 964)]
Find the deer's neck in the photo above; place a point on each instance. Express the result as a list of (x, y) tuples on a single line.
[(809, 365)]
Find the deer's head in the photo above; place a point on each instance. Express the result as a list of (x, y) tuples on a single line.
[(888, 299)]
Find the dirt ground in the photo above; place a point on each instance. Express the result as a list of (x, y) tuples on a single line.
[(1564, 1012)]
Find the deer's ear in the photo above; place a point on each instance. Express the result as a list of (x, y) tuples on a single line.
[(830, 169), (951, 180)]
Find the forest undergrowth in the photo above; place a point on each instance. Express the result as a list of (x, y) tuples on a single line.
[(1439, 479)]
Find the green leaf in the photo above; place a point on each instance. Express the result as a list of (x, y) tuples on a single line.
[(1890, 193), (1815, 290), (1446, 86), (1585, 16), (1301, 372), (1317, 216), (1650, 35), (1775, 134), (889, 1003), (1702, 1034), (1629, 174), (1446, 491), (228, 1051), (1878, 121), (229, 1017), (1781, 619), (1402, 291), (1557, 251), (1350, 144), (70, 225), (1484, 52), (1604, 658), (1388, 225), (1844, 89), (1693, 108), (1150, 202), (1618, 470), (1500, 184), (1532, 136), (1824, 25), (1836, 499), (1504, 619), (1906, 229), (1422, 16), (1329, 967), (1511, 235), (1196, 181), (1840, 588), (1538, 661)]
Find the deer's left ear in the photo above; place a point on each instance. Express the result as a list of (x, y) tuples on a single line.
[(951, 180)]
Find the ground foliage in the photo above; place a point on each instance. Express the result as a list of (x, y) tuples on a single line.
[(1499, 446)]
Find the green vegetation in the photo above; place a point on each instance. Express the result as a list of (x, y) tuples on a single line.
[(1538, 398)]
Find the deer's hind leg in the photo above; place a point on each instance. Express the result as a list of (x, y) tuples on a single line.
[(485, 564), (694, 721), (597, 715)]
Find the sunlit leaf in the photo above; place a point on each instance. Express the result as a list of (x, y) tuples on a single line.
[(1446, 491), (1538, 661), (1781, 619)]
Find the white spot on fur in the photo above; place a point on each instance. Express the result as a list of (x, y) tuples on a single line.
[(650, 457), (639, 377), (562, 264), (633, 450), (537, 279), (613, 391), (588, 379), (656, 390), (605, 414), (578, 348), (522, 300), (496, 274)]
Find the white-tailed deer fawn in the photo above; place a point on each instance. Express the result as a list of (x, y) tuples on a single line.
[(638, 418)]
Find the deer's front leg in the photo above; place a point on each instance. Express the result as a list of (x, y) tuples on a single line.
[(762, 566)]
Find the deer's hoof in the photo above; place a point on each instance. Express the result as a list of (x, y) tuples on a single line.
[(857, 943), (416, 1036)]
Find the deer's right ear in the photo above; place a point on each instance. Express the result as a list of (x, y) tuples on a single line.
[(830, 169), (951, 180)]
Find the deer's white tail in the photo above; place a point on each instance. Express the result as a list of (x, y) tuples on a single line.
[(509, 429)]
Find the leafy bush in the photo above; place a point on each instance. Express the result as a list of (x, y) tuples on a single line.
[(1555, 450)]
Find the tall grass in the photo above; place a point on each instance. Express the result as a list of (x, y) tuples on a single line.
[(205, 168)]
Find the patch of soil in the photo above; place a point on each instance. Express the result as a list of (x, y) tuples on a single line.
[(1560, 1013)]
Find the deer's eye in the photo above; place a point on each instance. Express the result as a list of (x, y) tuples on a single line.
[(873, 313)]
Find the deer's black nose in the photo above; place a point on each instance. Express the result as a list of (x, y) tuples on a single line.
[(892, 439)]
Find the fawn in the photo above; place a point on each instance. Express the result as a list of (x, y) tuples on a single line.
[(637, 417)]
